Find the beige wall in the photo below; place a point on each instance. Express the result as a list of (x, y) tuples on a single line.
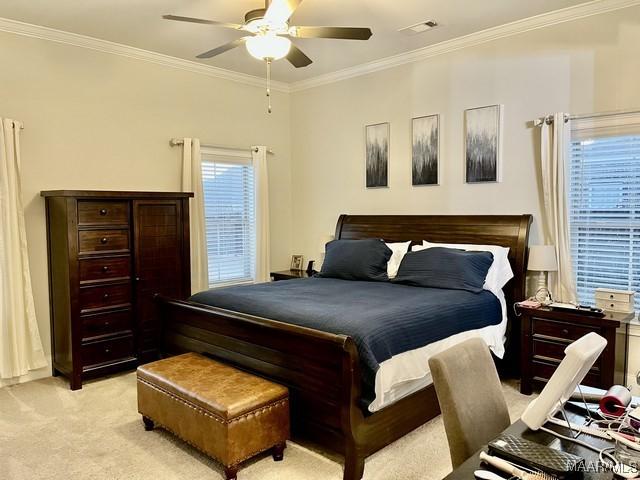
[(583, 66), (101, 121)]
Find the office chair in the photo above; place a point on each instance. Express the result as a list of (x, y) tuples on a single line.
[(470, 394)]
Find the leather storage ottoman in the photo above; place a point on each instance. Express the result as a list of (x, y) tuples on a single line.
[(228, 414)]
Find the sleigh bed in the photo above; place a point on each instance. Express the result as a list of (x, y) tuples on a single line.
[(323, 370)]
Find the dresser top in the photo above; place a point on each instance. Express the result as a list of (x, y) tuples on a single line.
[(113, 194)]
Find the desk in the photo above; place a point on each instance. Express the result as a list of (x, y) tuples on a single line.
[(519, 429)]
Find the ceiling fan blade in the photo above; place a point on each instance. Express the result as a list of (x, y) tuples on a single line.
[(344, 33), (202, 20), (279, 11), (223, 48), (297, 58)]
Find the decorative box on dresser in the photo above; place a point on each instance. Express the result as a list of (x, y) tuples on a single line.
[(109, 254), (546, 333)]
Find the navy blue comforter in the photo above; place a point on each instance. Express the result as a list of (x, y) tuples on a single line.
[(383, 319)]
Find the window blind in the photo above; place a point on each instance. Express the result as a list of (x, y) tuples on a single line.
[(229, 207), (604, 203)]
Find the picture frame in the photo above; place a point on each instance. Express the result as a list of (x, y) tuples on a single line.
[(377, 140), (483, 144), (425, 150), (297, 262)]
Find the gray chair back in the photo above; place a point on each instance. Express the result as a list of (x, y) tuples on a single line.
[(470, 395)]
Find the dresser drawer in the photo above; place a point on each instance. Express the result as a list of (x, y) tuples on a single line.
[(101, 241), (543, 349), (615, 295), (108, 268), (103, 212), (559, 330), (105, 351), (102, 324), (542, 372), (104, 296)]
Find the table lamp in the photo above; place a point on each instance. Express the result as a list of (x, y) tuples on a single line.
[(542, 258)]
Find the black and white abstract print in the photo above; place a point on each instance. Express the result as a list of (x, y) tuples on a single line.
[(377, 153), (425, 150), (482, 144)]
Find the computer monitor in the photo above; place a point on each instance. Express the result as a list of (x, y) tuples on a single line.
[(579, 358)]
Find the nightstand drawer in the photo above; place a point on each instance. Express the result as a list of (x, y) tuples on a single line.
[(544, 349), (558, 330), (542, 372)]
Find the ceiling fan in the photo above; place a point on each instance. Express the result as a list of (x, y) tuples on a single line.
[(269, 33), (269, 28)]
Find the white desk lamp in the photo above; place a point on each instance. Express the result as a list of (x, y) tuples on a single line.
[(542, 258)]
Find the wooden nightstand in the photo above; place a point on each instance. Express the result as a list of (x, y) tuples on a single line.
[(546, 333), (289, 275)]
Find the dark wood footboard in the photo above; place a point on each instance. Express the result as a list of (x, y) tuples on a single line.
[(321, 370)]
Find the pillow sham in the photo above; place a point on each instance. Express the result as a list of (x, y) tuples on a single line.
[(445, 268), (356, 260), (398, 250), (499, 273)]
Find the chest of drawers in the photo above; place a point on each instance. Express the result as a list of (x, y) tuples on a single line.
[(110, 253)]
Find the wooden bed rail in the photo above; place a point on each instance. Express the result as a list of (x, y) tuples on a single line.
[(319, 368)]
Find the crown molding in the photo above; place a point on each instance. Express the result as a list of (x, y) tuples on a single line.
[(105, 46), (555, 17)]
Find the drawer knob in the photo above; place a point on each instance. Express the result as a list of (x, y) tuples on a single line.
[(105, 296), (611, 297), (103, 211), (105, 269), (612, 305), (103, 240), (107, 350), (106, 324), (565, 331)]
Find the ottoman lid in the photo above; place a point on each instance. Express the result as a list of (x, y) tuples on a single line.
[(218, 388)]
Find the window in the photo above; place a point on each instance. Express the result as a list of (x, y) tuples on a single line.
[(229, 210), (604, 203)]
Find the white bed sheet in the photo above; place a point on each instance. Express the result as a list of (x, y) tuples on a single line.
[(409, 372)]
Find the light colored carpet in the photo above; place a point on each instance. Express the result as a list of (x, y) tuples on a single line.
[(50, 432)]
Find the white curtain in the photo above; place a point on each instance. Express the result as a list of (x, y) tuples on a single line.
[(555, 140), (192, 182), (259, 155), (20, 344)]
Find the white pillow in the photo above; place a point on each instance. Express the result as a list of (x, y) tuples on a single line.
[(500, 271), (399, 250)]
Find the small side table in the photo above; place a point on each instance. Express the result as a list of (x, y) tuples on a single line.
[(546, 333), (289, 275)]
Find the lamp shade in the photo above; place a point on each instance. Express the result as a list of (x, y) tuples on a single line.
[(542, 258)]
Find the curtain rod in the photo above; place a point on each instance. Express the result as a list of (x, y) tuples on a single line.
[(549, 118), (174, 142)]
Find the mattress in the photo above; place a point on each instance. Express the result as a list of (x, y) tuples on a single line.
[(385, 320)]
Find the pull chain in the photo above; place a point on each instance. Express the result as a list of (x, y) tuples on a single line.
[(269, 84)]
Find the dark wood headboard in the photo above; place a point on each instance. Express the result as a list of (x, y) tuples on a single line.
[(506, 230)]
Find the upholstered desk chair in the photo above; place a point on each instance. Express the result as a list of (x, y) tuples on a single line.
[(470, 396)]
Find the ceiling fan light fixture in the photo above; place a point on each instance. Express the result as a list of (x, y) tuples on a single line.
[(268, 47)]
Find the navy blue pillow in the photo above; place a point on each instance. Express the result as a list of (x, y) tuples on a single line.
[(440, 267), (356, 260)]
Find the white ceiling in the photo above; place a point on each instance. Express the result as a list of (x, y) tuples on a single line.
[(138, 23)]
